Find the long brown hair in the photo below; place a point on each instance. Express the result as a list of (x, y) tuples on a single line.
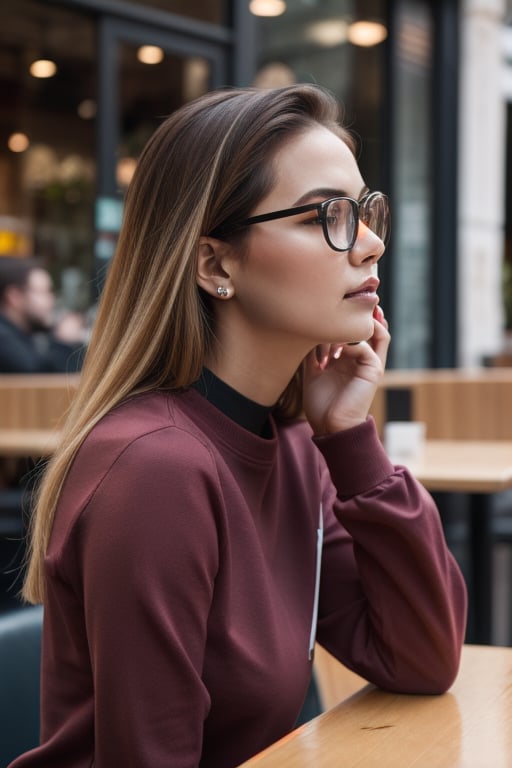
[(203, 171)]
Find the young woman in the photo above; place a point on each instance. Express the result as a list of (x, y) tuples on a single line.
[(221, 497)]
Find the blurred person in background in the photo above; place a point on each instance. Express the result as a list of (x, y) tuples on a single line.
[(31, 341)]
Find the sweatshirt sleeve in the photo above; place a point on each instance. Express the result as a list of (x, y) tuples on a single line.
[(393, 600), (148, 547)]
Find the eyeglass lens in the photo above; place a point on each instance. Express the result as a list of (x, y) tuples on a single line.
[(341, 219)]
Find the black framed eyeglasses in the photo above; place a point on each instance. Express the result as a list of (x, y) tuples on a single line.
[(340, 218)]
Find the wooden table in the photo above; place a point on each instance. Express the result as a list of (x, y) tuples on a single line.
[(470, 466), (468, 727), (479, 468)]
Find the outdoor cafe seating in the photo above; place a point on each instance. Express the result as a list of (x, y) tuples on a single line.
[(466, 406)]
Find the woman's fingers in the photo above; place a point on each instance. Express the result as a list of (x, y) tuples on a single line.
[(378, 314), (381, 338), (324, 354)]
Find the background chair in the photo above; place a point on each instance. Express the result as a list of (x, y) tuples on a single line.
[(20, 651), (12, 546)]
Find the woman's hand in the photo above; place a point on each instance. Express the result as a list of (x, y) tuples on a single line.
[(340, 380)]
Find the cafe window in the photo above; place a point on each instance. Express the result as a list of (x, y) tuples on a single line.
[(377, 58), (47, 139), (146, 100), (338, 44), (412, 184), (81, 94), (211, 11)]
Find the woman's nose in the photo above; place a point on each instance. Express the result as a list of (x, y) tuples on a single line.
[(368, 246)]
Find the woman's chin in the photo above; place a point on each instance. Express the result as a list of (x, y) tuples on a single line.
[(362, 334)]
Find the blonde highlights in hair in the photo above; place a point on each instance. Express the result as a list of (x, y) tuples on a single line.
[(203, 171)]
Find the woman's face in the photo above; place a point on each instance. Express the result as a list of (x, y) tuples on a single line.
[(291, 282)]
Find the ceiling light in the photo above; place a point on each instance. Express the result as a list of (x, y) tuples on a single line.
[(196, 77), (18, 142), (328, 33), (366, 33), (124, 170), (267, 7), (87, 109), (43, 68), (150, 54), (275, 74)]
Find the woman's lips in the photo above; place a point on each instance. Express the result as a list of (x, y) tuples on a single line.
[(367, 289)]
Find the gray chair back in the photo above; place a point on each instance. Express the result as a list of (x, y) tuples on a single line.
[(20, 652)]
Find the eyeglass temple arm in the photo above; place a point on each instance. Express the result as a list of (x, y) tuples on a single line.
[(280, 214)]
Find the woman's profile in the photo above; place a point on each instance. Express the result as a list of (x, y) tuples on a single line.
[(221, 499)]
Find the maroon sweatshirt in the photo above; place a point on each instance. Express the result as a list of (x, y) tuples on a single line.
[(184, 578)]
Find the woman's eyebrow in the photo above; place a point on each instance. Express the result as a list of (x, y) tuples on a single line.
[(325, 193), (322, 192)]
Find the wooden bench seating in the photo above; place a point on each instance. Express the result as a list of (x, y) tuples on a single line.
[(455, 404), (35, 401)]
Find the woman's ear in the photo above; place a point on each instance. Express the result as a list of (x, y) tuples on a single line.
[(212, 275)]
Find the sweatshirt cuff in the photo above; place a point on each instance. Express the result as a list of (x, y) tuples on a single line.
[(356, 458)]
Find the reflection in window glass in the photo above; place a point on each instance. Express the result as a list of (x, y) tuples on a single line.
[(317, 42), (212, 11), (47, 140), (149, 93), (412, 184)]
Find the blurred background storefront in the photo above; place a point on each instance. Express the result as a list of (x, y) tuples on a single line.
[(71, 130)]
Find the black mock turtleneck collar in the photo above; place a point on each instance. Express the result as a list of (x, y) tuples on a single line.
[(245, 412)]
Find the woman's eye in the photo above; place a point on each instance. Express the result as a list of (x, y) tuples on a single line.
[(315, 220)]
